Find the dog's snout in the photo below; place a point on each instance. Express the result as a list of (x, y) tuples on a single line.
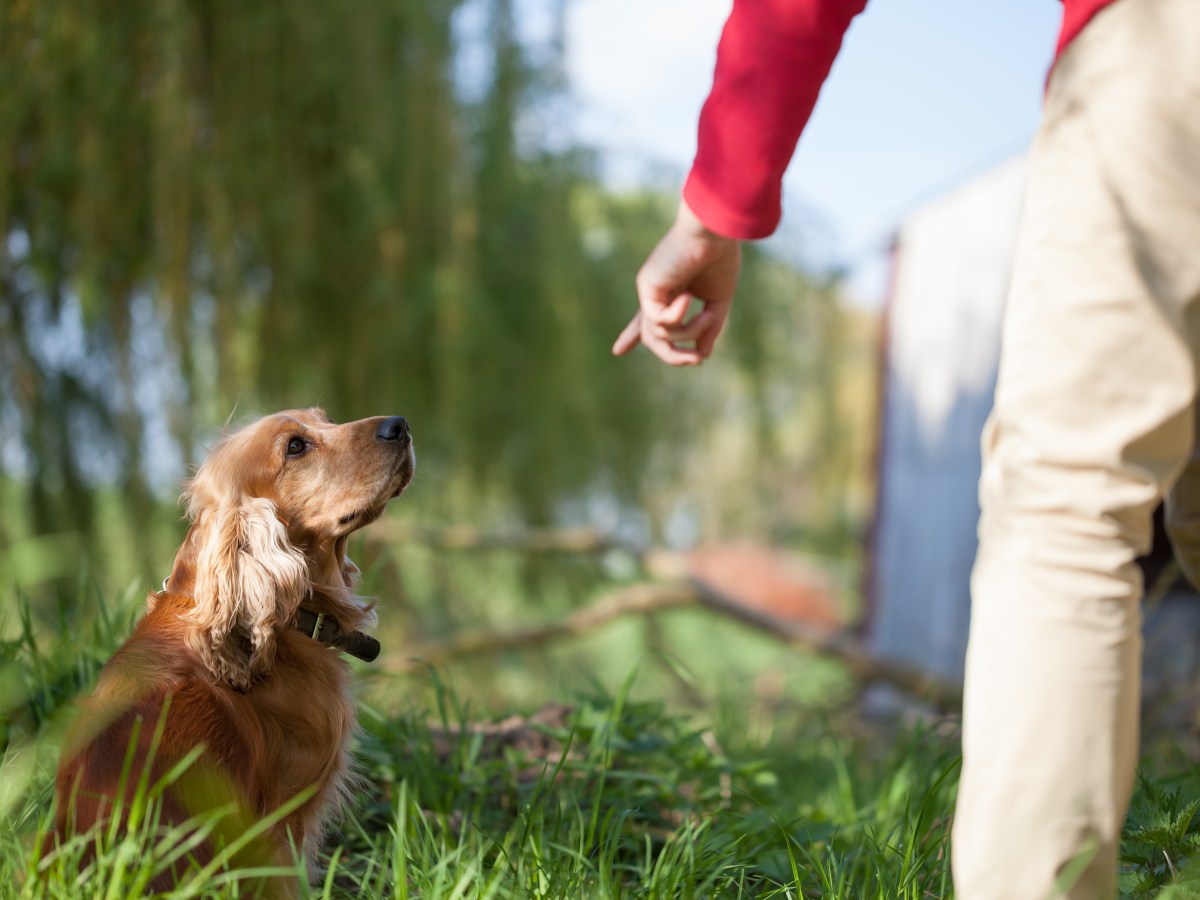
[(393, 428)]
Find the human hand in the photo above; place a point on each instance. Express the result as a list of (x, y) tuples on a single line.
[(689, 262)]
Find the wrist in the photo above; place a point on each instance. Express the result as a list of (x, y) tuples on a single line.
[(689, 223)]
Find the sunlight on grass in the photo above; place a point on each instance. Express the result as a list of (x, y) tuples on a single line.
[(612, 796)]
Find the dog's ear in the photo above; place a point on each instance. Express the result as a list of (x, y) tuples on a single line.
[(249, 580)]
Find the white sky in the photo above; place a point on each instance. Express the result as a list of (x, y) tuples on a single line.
[(925, 94)]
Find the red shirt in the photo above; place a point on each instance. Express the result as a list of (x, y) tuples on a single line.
[(773, 58)]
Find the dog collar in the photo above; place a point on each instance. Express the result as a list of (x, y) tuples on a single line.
[(326, 630)]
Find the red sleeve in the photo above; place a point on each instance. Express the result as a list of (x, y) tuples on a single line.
[(1076, 14), (773, 58)]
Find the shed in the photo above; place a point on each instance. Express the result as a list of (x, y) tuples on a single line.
[(941, 337)]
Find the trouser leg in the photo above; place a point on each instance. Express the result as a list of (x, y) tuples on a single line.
[(1183, 515), (1093, 422)]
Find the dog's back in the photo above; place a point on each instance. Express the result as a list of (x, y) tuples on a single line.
[(155, 704)]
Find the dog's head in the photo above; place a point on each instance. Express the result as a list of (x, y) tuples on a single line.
[(271, 509)]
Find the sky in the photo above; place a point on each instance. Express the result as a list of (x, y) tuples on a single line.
[(925, 94)]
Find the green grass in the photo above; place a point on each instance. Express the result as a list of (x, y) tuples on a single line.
[(615, 797)]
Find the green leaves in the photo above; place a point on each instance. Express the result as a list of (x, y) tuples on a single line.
[(228, 206), (1160, 841)]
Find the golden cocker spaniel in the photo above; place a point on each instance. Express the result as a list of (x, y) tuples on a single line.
[(241, 653)]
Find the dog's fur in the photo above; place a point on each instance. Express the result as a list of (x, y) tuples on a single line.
[(215, 663)]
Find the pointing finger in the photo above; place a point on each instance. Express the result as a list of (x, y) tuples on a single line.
[(630, 336)]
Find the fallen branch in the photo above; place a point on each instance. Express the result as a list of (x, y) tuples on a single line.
[(534, 540), (639, 599), (841, 645), (642, 599)]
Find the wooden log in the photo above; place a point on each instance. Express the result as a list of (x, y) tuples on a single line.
[(638, 599), (651, 597)]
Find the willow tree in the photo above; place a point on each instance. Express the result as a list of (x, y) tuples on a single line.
[(211, 205)]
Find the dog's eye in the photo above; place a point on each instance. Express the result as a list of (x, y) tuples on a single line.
[(296, 446)]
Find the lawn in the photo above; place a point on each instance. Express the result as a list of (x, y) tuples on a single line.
[(606, 793)]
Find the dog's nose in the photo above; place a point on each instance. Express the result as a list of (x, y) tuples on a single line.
[(393, 428)]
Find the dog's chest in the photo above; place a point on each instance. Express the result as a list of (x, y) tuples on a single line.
[(307, 720)]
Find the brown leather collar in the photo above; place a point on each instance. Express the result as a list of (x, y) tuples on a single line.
[(328, 631)]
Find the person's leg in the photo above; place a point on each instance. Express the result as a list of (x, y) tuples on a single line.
[(1092, 423), (1183, 514)]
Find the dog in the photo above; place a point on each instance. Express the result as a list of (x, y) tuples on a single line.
[(241, 653)]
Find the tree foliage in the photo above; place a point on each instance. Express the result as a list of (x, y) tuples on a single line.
[(212, 206)]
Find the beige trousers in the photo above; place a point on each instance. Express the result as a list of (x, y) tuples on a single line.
[(1093, 423)]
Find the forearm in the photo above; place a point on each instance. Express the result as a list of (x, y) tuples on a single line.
[(773, 57)]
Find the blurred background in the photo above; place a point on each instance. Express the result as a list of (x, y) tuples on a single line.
[(213, 210)]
